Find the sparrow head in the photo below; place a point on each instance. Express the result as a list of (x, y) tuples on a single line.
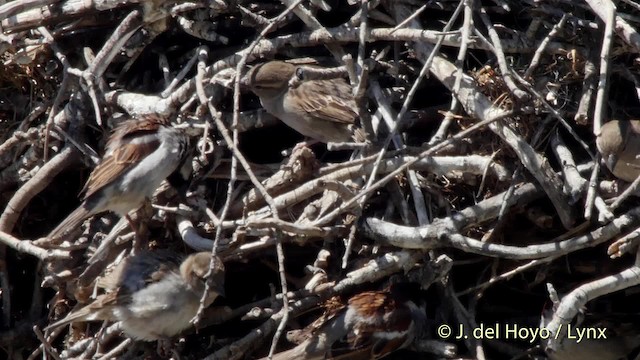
[(270, 79), (611, 141), (195, 268), (612, 137)]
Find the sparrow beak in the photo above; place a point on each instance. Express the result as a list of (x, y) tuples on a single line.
[(610, 161)]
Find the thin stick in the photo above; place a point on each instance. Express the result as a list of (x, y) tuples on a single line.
[(47, 346), (601, 94)]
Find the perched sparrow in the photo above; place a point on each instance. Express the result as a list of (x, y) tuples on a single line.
[(324, 110), (154, 295), (619, 144), (139, 155), (372, 325)]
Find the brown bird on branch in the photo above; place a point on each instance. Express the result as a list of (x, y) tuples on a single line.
[(371, 325), (324, 110), (619, 145), (139, 155), (154, 295)]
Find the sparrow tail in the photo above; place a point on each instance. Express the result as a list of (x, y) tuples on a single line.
[(299, 352), (69, 224), (84, 314)]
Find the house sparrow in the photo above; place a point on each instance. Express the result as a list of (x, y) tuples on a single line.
[(154, 295), (370, 326), (324, 110), (139, 155), (619, 144)]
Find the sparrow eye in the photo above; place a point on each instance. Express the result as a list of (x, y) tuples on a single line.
[(300, 74)]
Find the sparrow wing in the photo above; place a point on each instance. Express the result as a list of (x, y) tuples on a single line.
[(129, 130), (328, 100), (131, 275), (130, 142), (114, 165), (332, 308), (147, 267)]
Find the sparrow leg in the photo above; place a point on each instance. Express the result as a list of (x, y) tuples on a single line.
[(307, 143), (165, 348), (136, 247), (139, 225)]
